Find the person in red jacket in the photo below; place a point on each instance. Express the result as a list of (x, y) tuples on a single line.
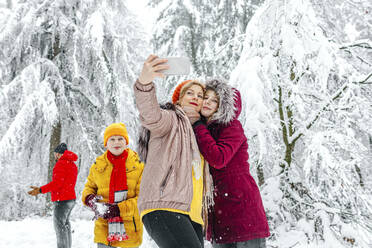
[(62, 188), (238, 217)]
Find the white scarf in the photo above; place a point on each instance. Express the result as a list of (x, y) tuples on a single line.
[(195, 154)]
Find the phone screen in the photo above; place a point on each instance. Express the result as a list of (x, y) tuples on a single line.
[(178, 66)]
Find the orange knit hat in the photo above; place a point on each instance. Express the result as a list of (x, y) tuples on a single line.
[(177, 91), (115, 129)]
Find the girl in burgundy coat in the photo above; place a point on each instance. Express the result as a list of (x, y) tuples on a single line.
[(238, 218)]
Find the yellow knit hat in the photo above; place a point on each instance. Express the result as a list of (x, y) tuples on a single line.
[(115, 129)]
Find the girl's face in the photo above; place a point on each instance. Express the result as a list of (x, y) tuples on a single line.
[(210, 104), (116, 145), (193, 97)]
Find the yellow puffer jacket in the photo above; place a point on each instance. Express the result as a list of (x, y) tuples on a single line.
[(98, 182)]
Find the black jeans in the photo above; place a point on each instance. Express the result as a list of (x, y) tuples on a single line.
[(171, 230), (254, 243), (62, 226)]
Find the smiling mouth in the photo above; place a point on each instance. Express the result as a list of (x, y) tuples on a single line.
[(192, 103)]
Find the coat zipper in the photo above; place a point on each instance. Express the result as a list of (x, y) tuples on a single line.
[(165, 181), (135, 226)]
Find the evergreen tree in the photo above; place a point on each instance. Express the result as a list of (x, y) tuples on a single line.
[(209, 32), (305, 112), (221, 30), (67, 70)]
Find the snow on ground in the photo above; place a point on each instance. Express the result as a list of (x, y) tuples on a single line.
[(39, 232)]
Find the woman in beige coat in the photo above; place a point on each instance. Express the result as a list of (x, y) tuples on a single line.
[(171, 192)]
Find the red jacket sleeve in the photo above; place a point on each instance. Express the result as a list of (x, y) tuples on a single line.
[(57, 179), (219, 152)]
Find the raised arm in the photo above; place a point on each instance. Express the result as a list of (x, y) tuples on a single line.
[(158, 121)]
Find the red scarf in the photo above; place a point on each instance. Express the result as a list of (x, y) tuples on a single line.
[(118, 179)]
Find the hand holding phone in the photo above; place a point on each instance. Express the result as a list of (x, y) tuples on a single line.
[(160, 67), (152, 68)]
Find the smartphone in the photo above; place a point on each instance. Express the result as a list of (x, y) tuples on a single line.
[(178, 66)]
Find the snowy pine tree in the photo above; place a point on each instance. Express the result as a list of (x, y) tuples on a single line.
[(306, 111), (221, 30), (210, 33), (67, 70), (304, 71)]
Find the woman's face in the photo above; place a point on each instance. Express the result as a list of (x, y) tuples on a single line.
[(210, 104), (193, 97)]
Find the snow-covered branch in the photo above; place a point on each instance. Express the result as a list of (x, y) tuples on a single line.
[(334, 97), (367, 44)]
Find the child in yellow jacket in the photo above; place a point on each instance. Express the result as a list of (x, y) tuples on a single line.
[(112, 189)]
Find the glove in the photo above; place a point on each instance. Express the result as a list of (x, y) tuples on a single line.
[(191, 113), (111, 211), (35, 191), (91, 201)]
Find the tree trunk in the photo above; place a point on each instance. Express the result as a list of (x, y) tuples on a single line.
[(357, 170), (9, 4), (55, 140), (260, 174), (286, 129), (55, 137)]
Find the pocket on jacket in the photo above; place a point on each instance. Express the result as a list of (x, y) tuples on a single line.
[(165, 181), (135, 225)]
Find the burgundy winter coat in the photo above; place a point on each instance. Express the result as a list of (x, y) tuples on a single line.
[(62, 186), (238, 214)]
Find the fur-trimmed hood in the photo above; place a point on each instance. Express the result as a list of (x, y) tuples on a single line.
[(230, 104)]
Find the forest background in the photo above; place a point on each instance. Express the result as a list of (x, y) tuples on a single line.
[(304, 68)]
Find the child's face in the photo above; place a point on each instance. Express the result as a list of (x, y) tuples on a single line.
[(116, 145)]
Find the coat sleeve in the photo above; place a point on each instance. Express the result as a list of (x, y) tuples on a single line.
[(157, 120), (90, 186), (59, 175), (129, 208), (219, 152)]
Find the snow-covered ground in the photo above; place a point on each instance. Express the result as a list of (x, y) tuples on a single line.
[(39, 232)]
